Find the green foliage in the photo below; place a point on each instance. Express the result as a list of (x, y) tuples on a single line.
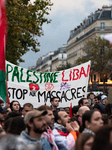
[(63, 67), (25, 22), (99, 51), (81, 60)]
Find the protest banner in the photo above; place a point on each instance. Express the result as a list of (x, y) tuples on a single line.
[(38, 87)]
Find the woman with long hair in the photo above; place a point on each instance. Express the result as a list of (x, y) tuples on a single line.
[(91, 121), (84, 141), (15, 106)]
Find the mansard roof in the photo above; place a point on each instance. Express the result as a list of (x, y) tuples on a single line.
[(101, 14)]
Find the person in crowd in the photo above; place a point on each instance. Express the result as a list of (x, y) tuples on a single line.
[(105, 119), (100, 107), (104, 99), (74, 118), (36, 125), (90, 97), (103, 139), (2, 115), (14, 125), (49, 118), (15, 106), (1, 102), (64, 131), (92, 121), (110, 119), (54, 103), (97, 107), (81, 111), (83, 102), (75, 110), (108, 109), (12, 142), (90, 107), (95, 101), (67, 109), (7, 108), (99, 98), (26, 108), (12, 115), (84, 141), (2, 132)]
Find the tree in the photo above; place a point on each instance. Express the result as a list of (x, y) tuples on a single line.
[(25, 22), (99, 51), (63, 67)]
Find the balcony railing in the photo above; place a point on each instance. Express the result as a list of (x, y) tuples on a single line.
[(54, 60), (44, 66), (88, 33), (72, 54), (58, 59)]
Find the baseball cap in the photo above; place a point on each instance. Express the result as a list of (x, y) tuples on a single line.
[(2, 110), (33, 114), (103, 97)]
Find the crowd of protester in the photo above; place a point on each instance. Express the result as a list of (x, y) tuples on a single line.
[(53, 128)]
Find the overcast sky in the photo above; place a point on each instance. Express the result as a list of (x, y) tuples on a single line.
[(65, 16)]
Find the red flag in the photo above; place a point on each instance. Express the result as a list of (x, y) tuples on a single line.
[(70, 112), (3, 86)]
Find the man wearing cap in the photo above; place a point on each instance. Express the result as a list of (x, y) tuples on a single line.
[(2, 115), (104, 99), (49, 118), (36, 125), (101, 103)]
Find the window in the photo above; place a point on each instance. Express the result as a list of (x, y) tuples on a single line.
[(102, 26), (62, 56)]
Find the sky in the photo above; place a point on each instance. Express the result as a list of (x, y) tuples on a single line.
[(65, 15)]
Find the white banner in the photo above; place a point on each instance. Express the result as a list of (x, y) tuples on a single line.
[(34, 87)]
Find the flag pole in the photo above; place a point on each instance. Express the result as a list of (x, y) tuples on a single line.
[(70, 112)]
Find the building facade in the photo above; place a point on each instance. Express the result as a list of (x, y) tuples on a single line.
[(97, 24), (59, 58), (52, 60), (44, 63)]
